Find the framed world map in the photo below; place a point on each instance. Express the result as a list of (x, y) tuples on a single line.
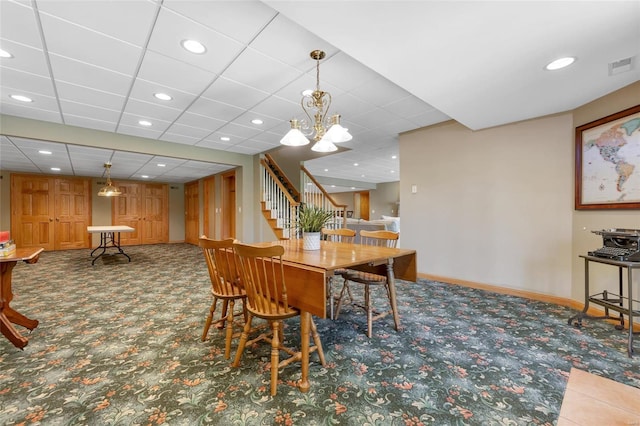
[(608, 162)]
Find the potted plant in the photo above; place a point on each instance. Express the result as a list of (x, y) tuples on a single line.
[(311, 220)]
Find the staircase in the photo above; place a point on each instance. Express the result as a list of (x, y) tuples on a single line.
[(281, 201)]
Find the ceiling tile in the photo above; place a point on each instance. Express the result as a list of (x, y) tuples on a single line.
[(172, 28), (240, 20), (82, 74), (25, 58), (276, 42), (218, 110), (233, 93), (86, 95), (172, 73), (134, 18), (151, 111), (83, 45), (273, 75), (25, 82), (144, 90), (200, 121), (18, 23)]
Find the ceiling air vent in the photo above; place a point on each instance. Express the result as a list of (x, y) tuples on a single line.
[(623, 65)]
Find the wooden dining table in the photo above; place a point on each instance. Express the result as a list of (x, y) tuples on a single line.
[(307, 272)]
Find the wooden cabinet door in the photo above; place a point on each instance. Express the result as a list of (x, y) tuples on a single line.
[(127, 210), (208, 207), (73, 212), (155, 219), (229, 205), (145, 208), (191, 216), (32, 211)]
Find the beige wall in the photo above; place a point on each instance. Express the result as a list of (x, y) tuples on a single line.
[(384, 200), (496, 206)]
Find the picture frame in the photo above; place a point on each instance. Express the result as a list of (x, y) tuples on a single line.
[(607, 162)]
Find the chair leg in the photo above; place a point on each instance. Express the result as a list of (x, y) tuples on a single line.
[(330, 296), (223, 315), (369, 308), (275, 355), (243, 341), (345, 288), (207, 324), (317, 342), (393, 307), (229, 326)]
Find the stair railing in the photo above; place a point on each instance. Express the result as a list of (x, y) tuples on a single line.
[(277, 198), (313, 193)]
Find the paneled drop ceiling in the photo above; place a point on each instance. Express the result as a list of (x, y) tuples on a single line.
[(391, 67)]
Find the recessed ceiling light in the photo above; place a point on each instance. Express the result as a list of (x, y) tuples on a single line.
[(393, 157), (162, 96), (393, 171), (55, 169), (144, 176), (144, 123), (560, 63), (353, 187), (21, 98), (225, 138), (361, 175), (45, 152), (194, 46), (5, 54), (326, 170), (162, 165), (256, 121), (356, 164), (333, 186), (307, 92)]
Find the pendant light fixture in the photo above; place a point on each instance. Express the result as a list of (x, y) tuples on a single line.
[(109, 190), (325, 130)]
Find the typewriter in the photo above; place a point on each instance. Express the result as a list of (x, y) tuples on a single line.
[(619, 244)]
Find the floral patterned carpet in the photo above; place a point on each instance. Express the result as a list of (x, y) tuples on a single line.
[(119, 344)]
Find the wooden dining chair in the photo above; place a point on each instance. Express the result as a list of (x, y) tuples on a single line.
[(367, 279), (338, 235), (224, 271), (263, 278)]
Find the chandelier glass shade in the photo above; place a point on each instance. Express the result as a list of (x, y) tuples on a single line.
[(109, 190), (325, 130)]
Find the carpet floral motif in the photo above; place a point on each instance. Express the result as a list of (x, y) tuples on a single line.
[(119, 344)]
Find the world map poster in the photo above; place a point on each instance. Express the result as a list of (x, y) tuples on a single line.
[(609, 150)]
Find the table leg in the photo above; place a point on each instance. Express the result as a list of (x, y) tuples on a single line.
[(108, 240), (305, 328), (7, 314), (10, 332), (391, 281)]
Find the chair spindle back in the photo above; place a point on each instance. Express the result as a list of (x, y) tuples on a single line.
[(379, 238), (263, 278), (223, 265), (339, 235)]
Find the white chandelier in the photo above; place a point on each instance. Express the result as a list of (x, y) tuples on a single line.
[(326, 131)]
